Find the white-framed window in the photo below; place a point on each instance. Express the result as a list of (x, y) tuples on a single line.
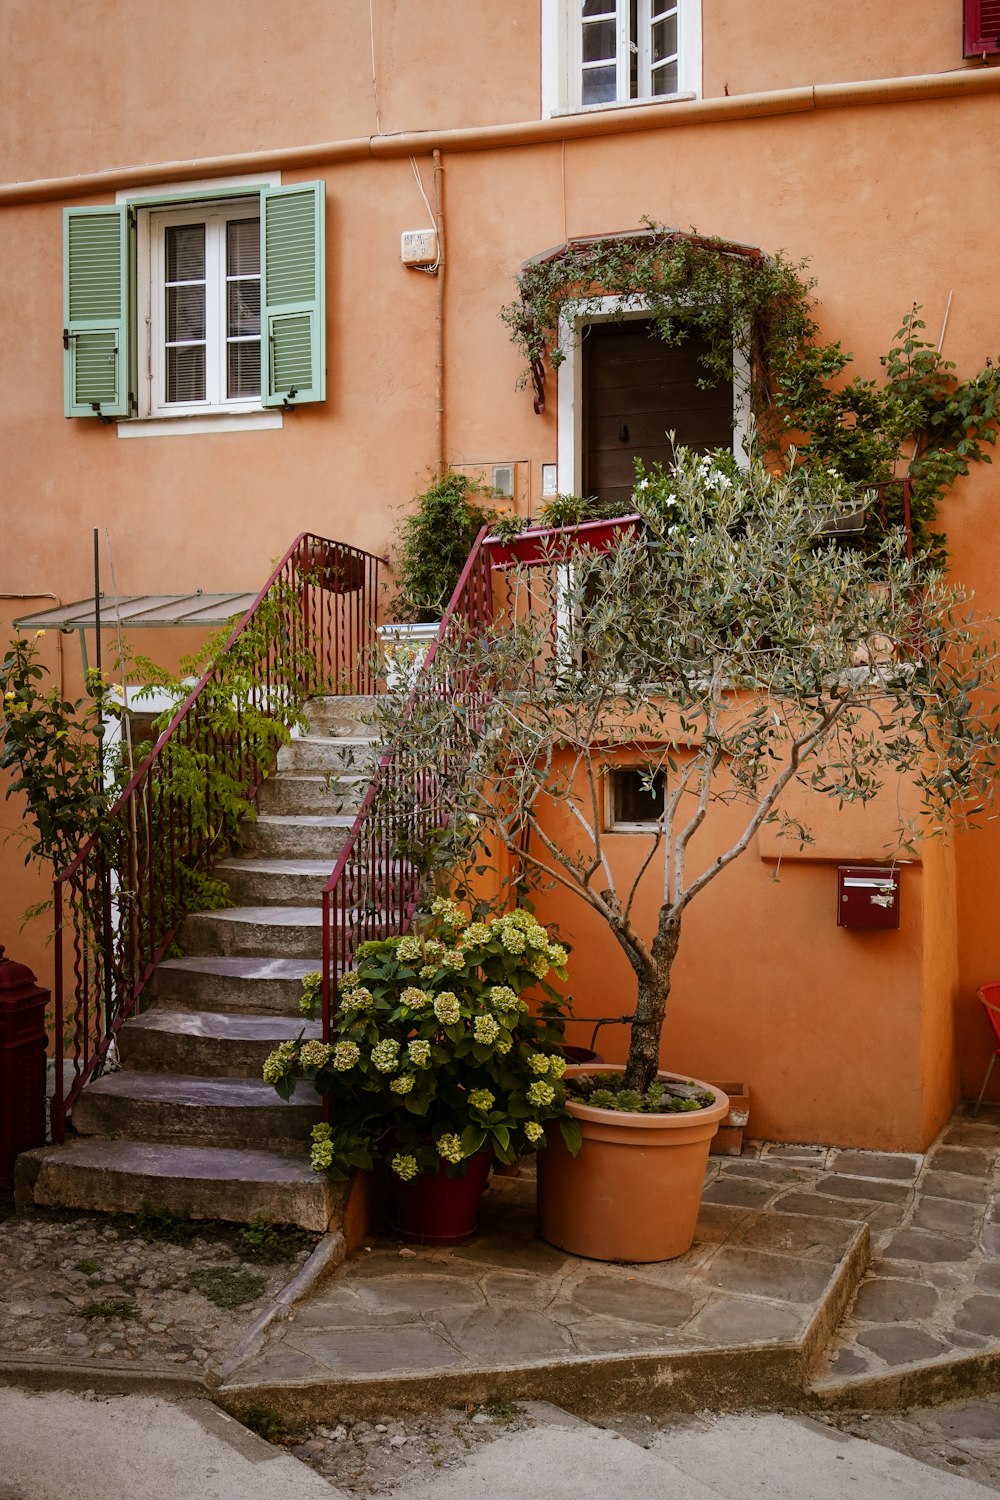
[(634, 798), (204, 304), (597, 53), (199, 301)]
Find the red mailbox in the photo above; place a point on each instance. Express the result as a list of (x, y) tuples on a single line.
[(22, 1064), (867, 896)]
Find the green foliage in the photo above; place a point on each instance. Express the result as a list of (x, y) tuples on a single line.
[(87, 1267), (735, 649), (155, 1224), (607, 1091), (272, 1243), (121, 1309), (50, 744), (264, 1421), (437, 1055), (749, 307), (920, 420), (225, 1286), (433, 543)]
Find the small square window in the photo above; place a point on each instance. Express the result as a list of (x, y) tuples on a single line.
[(634, 798), (609, 52)]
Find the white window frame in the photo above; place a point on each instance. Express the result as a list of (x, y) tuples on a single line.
[(155, 417), (569, 405), (152, 226), (610, 824), (562, 56)]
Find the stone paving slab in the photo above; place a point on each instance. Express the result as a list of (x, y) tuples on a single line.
[(932, 1291), (757, 1281)]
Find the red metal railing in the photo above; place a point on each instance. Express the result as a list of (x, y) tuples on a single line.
[(311, 630), (378, 881)]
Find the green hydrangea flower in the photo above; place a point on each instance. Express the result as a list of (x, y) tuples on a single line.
[(538, 1063), (534, 1131), (404, 1166), (345, 1055), (450, 1147), (557, 1065), (403, 1084), (408, 949), (447, 1008), (281, 1062), (419, 1053), (541, 1093), (315, 1054), (385, 1055), (359, 999), (503, 998), (486, 1029), (414, 998), (482, 1099)]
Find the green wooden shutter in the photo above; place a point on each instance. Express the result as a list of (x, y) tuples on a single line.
[(293, 271), (95, 309)]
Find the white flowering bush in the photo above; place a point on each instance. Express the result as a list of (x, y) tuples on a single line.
[(437, 1053)]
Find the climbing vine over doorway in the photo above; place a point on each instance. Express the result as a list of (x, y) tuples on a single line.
[(917, 421)]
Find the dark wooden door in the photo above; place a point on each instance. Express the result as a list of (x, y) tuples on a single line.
[(636, 391)]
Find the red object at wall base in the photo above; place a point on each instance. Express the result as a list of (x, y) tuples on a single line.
[(435, 1209), (22, 1064)]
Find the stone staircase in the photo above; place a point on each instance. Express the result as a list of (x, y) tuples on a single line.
[(187, 1122)]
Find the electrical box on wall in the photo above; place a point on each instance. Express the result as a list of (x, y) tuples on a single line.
[(867, 896), (419, 247)]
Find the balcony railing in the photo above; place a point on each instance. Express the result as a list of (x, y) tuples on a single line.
[(311, 630)]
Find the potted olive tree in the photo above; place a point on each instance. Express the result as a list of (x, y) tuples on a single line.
[(735, 647)]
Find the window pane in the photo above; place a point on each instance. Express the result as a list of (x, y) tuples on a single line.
[(599, 41), (186, 373), (244, 308), (663, 8), (185, 313), (600, 85), (244, 367), (632, 802), (186, 252), (598, 7), (243, 247), (665, 79), (665, 39)]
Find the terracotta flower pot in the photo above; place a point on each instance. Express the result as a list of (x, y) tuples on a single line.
[(633, 1191), (439, 1210)]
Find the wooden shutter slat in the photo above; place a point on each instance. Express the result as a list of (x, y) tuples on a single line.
[(95, 307), (982, 28), (293, 271)]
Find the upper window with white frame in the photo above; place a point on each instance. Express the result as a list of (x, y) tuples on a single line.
[(597, 53), (195, 303)]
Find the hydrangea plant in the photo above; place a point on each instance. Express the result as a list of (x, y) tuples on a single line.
[(438, 1054)]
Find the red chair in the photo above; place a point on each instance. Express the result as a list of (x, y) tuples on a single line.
[(989, 994)]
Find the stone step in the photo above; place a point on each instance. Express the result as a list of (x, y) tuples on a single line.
[(275, 882), (314, 754), (286, 795), (255, 931), (297, 838), (206, 1043), (185, 1109), (346, 715), (112, 1176), (253, 986)]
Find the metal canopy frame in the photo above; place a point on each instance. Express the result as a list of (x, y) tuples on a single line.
[(139, 611)]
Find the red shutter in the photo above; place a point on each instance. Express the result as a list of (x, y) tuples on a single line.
[(982, 27)]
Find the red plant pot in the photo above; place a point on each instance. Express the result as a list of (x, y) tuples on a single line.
[(436, 1209)]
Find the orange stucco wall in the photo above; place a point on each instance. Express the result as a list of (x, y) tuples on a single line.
[(891, 203)]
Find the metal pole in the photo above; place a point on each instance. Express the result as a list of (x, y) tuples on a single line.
[(103, 873)]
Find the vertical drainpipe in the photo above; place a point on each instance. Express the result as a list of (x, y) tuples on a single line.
[(441, 464)]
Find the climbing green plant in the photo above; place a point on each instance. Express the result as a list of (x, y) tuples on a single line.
[(919, 420), (432, 543)]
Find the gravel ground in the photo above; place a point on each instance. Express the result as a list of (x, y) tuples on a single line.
[(85, 1287), (375, 1458)]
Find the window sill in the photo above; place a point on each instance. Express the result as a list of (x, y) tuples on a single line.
[(595, 109), (188, 426)]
